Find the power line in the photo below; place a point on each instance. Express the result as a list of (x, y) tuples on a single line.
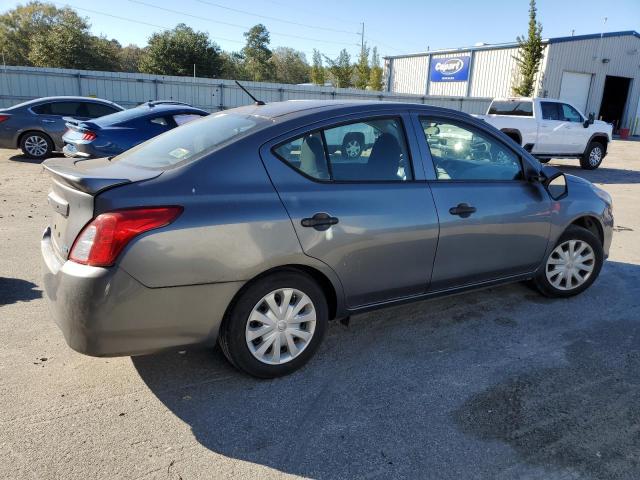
[(234, 25), (276, 19)]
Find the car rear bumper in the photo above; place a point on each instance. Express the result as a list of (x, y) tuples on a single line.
[(71, 151), (107, 312)]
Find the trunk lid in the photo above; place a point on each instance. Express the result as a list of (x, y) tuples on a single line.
[(74, 187)]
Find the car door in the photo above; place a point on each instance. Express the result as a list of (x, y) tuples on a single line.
[(554, 132), (576, 136), (493, 222), (51, 117), (370, 218)]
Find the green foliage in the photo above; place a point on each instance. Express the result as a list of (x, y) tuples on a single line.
[(257, 54), (233, 66), (174, 52), (363, 69), (340, 69), (317, 69), (530, 53), (290, 66), (129, 58), (375, 75)]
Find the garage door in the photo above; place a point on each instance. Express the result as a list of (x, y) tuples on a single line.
[(575, 89)]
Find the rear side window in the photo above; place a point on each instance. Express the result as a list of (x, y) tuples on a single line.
[(191, 142), (64, 109), (550, 111), (95, 110), (514, 108), (371, 150)]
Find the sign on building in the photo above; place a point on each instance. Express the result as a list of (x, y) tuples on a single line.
[(450, 69)]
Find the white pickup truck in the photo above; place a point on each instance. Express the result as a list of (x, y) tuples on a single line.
[(551, 129)]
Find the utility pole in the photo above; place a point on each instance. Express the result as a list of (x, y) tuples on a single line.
[(362, 37)]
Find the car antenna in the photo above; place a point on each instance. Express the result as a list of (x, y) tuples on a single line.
[(258, 102)]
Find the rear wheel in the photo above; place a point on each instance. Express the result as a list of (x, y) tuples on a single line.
[(36, 145), (573, 264), (593, 156), (276, 325)]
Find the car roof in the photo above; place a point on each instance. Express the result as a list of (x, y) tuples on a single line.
[(287, 110), (64, 98), (144, 111)]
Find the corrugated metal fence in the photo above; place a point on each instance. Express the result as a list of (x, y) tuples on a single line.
[(19, 84)]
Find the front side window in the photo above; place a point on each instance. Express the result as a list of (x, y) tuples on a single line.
[(371, 150), (550, 111), (95, 110), (67, 108), (461, 152), (570, 114)]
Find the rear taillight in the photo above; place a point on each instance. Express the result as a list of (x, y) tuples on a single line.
[(4, 117), (102, 240), (89, 136)]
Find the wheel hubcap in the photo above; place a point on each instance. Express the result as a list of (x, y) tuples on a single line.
[(280, 326), (35, 145), (595, 156), (570, 264), (353, 148)]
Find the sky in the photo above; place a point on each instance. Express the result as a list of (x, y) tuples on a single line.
[(394, 26)]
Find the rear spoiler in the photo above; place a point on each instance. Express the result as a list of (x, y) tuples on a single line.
[(79, 125), (96, 175)]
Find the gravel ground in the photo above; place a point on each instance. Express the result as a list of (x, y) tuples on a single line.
[(500, 383)]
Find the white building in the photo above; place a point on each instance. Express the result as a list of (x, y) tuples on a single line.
[(598, 73)]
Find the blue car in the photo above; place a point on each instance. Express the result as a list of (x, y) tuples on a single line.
[(113, 134)]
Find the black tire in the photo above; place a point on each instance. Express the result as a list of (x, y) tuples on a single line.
[(232, 338), (351, 139), (593, 156), (542, 283), (36, 145)]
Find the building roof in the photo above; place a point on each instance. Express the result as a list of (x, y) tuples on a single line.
[(498, 46)]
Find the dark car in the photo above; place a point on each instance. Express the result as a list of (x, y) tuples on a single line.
[(37, 126), (113, 134), (244, 226)]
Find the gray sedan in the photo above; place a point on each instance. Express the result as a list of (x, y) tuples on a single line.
[(37, 126), (247, 228)]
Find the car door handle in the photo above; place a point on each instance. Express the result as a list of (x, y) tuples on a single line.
[(320, 221), (463, 210)]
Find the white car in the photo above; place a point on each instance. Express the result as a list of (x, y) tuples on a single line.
[(551, 129)]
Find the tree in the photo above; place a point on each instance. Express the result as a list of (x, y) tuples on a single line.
[(375, 75), (104, 54), (530, 55), (290, 66), (317, 69), (66, 43), (174, 52), (341, 69), (363, 69), (257, 54), (129, 58), (233, 67)]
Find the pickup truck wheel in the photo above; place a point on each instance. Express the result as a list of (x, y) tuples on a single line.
[(593, 156), (573, 264)]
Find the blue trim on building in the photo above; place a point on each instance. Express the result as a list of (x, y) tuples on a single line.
[(592, 36)]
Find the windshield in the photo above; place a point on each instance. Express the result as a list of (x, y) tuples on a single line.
[(190, 141)]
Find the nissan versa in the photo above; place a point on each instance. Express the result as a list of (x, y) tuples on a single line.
[(248, 228)]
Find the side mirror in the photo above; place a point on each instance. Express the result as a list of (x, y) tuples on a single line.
[(589, 121), (553, 180)]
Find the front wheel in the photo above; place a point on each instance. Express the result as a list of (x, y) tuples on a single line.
[(593, 156), (573, 264), (276, 325)]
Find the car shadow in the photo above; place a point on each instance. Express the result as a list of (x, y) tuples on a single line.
[(19, 157), (602, 175), (14, 290), (413, 389)]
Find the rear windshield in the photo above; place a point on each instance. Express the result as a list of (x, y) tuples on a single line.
[(516, 108), (190, 141)]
